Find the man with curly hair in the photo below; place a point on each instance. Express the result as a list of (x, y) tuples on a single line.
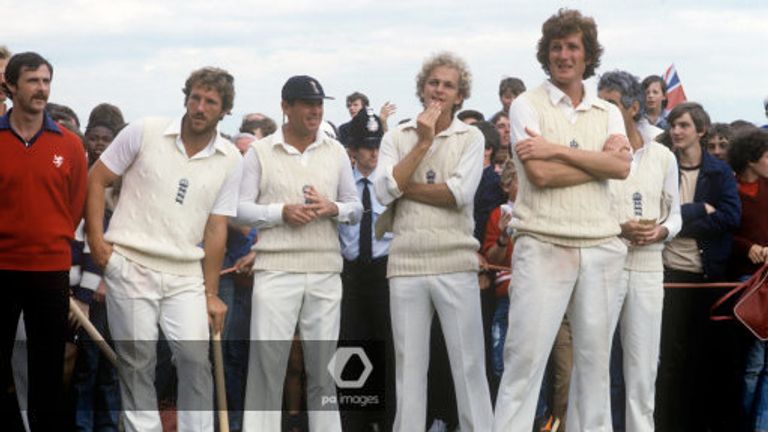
[(568, 258), (430, 169), (180, 182)]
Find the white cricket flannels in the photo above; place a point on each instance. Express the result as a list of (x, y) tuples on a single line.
[(577, 216), (165, 202)]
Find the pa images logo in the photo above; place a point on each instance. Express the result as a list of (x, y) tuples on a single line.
[(339, 361)]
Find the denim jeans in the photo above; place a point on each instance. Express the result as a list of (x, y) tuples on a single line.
[(499, 334), (755, 398), (97, 395), (236, 338)]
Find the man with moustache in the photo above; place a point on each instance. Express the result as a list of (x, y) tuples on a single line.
[(567, 258), (179, 185), (42, 184), (297, 186), (429, 170)]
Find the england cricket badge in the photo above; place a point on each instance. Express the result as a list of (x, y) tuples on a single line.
[(574, 144), (182, 190), (431, 176), (637, 203)]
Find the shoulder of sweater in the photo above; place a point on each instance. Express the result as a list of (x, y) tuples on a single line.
[(602, 104), (228, 149), (160, 123), (264, 143), (660, 148), (335, 145)]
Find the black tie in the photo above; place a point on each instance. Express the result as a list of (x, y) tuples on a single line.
[(366, 246)]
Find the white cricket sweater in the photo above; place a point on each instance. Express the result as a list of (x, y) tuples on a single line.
[(165, 202), (575, 216)]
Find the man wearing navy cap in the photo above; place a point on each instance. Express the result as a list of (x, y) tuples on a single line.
[(297, 186), (365, 316)]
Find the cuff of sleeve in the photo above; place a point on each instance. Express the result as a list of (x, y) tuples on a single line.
[(82, 294), (342, 216), (275, 214), (90, 281), (670, 233), (392, 188), (454, 185), (74, 275)]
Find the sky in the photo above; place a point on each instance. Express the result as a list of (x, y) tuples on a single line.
[(137, 54)]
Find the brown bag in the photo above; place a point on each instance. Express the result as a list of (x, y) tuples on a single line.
[(752, 307)]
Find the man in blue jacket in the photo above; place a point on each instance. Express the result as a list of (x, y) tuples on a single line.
[(711, 210)]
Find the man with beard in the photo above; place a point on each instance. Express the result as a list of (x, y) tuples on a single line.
[(179, 185), (42, 185)]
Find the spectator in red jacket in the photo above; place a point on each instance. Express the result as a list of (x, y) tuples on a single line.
[(748, 156), (42, 185)]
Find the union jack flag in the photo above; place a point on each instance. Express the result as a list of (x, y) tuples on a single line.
[(675, 92)]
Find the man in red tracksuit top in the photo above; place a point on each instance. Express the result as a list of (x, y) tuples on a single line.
[(42, 191)]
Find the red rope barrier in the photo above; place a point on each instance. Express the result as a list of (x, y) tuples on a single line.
[(674, 285), (701, 285)]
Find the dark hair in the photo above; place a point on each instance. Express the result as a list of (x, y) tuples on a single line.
[(698, 115), (650, 79), (62, 113), (266, 124), (628, 86), (217, 79), (20, 63), (496, 117), (492, 136), (357, 95), (511, 84), (564, 23), (746, 148), (723, 130), (470, 113), (106, 115)]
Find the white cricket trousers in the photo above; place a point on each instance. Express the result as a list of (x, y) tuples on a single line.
[(456, 298), (138, 299), (547, 281), (641, 300), (280, 300)]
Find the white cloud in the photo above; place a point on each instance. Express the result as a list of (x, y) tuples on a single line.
[(137, 54)]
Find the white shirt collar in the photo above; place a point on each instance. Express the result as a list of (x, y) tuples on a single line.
[(557, 96), (218, 143), (648, 131), (279, 139)]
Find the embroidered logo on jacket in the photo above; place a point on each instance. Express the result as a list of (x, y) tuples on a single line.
[(58, 160), (182, 191)]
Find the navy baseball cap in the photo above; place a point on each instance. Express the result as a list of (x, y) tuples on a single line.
[(303, 87)]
